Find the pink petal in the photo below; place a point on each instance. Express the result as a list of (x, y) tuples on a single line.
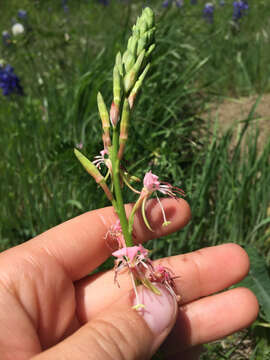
[(150, 181), (129, 252)]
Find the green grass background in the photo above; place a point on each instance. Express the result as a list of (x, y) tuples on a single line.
[(64, 58)]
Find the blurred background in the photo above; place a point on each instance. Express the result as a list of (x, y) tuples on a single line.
[(202, 121)]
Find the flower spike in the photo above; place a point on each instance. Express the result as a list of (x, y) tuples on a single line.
[(129, 72)]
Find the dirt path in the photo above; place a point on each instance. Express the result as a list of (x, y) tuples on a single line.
[(233, 111)]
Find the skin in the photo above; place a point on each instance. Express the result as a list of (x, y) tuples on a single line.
[(50, 308)]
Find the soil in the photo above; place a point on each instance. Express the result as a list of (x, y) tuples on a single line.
[(232, 112)]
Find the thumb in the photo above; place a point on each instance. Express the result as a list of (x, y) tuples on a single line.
[(120, 332)]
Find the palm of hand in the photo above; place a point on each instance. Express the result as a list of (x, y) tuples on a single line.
[(45, 294)]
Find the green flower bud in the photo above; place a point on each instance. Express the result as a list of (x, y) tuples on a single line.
[(132, 44), (149, 17), (150, 50), (116, 86), (128, 60), (141, 44), (131, 76), (103, 112), (137, 87), (118, 62)]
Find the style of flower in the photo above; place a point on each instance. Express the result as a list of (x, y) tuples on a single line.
[(17, 29), (208, 12), (240, 8), (9, 81)]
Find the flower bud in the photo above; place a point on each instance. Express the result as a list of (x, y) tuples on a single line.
[(131, 77), (93, 171), (114, 114), (137, 87), (128, 60), (117, 82), (104, 116)]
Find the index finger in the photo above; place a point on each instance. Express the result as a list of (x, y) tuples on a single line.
[(79, 246)]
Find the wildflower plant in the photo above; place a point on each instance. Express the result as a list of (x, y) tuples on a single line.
[(129, 72), (9, 81), (208, 12), (240, 8)]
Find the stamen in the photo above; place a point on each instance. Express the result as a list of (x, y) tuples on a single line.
[(138, 306), (165, 221)]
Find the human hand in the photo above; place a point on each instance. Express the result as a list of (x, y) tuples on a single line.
[(51, 309)]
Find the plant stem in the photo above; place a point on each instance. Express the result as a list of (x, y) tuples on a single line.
[(119, 206)]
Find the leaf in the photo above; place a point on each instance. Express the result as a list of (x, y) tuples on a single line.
[(258, 280), (75, 203), (261, 224)]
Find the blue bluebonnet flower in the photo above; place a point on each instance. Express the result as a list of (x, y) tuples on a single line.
[(65, 5), (166, 3), (6, 37), (178, 3), (208, 12), (193, 2), (240, 8), (104, 2), (22, 14), (9, 81)]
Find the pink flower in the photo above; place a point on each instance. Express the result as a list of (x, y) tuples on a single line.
[(151, 182), (117, 227), (136, 260), (114, 236), (151, 185), (101, 159), (164, 276), (79, 146), (128, 252), (131, 252)]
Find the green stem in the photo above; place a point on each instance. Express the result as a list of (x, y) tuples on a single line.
[(119, 206)]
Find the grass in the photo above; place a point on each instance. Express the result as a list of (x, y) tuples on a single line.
[(65, 58)]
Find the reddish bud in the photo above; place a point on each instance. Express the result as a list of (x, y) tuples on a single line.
[(114, 114)]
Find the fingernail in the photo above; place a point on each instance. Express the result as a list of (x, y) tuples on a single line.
[(159, 311)]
